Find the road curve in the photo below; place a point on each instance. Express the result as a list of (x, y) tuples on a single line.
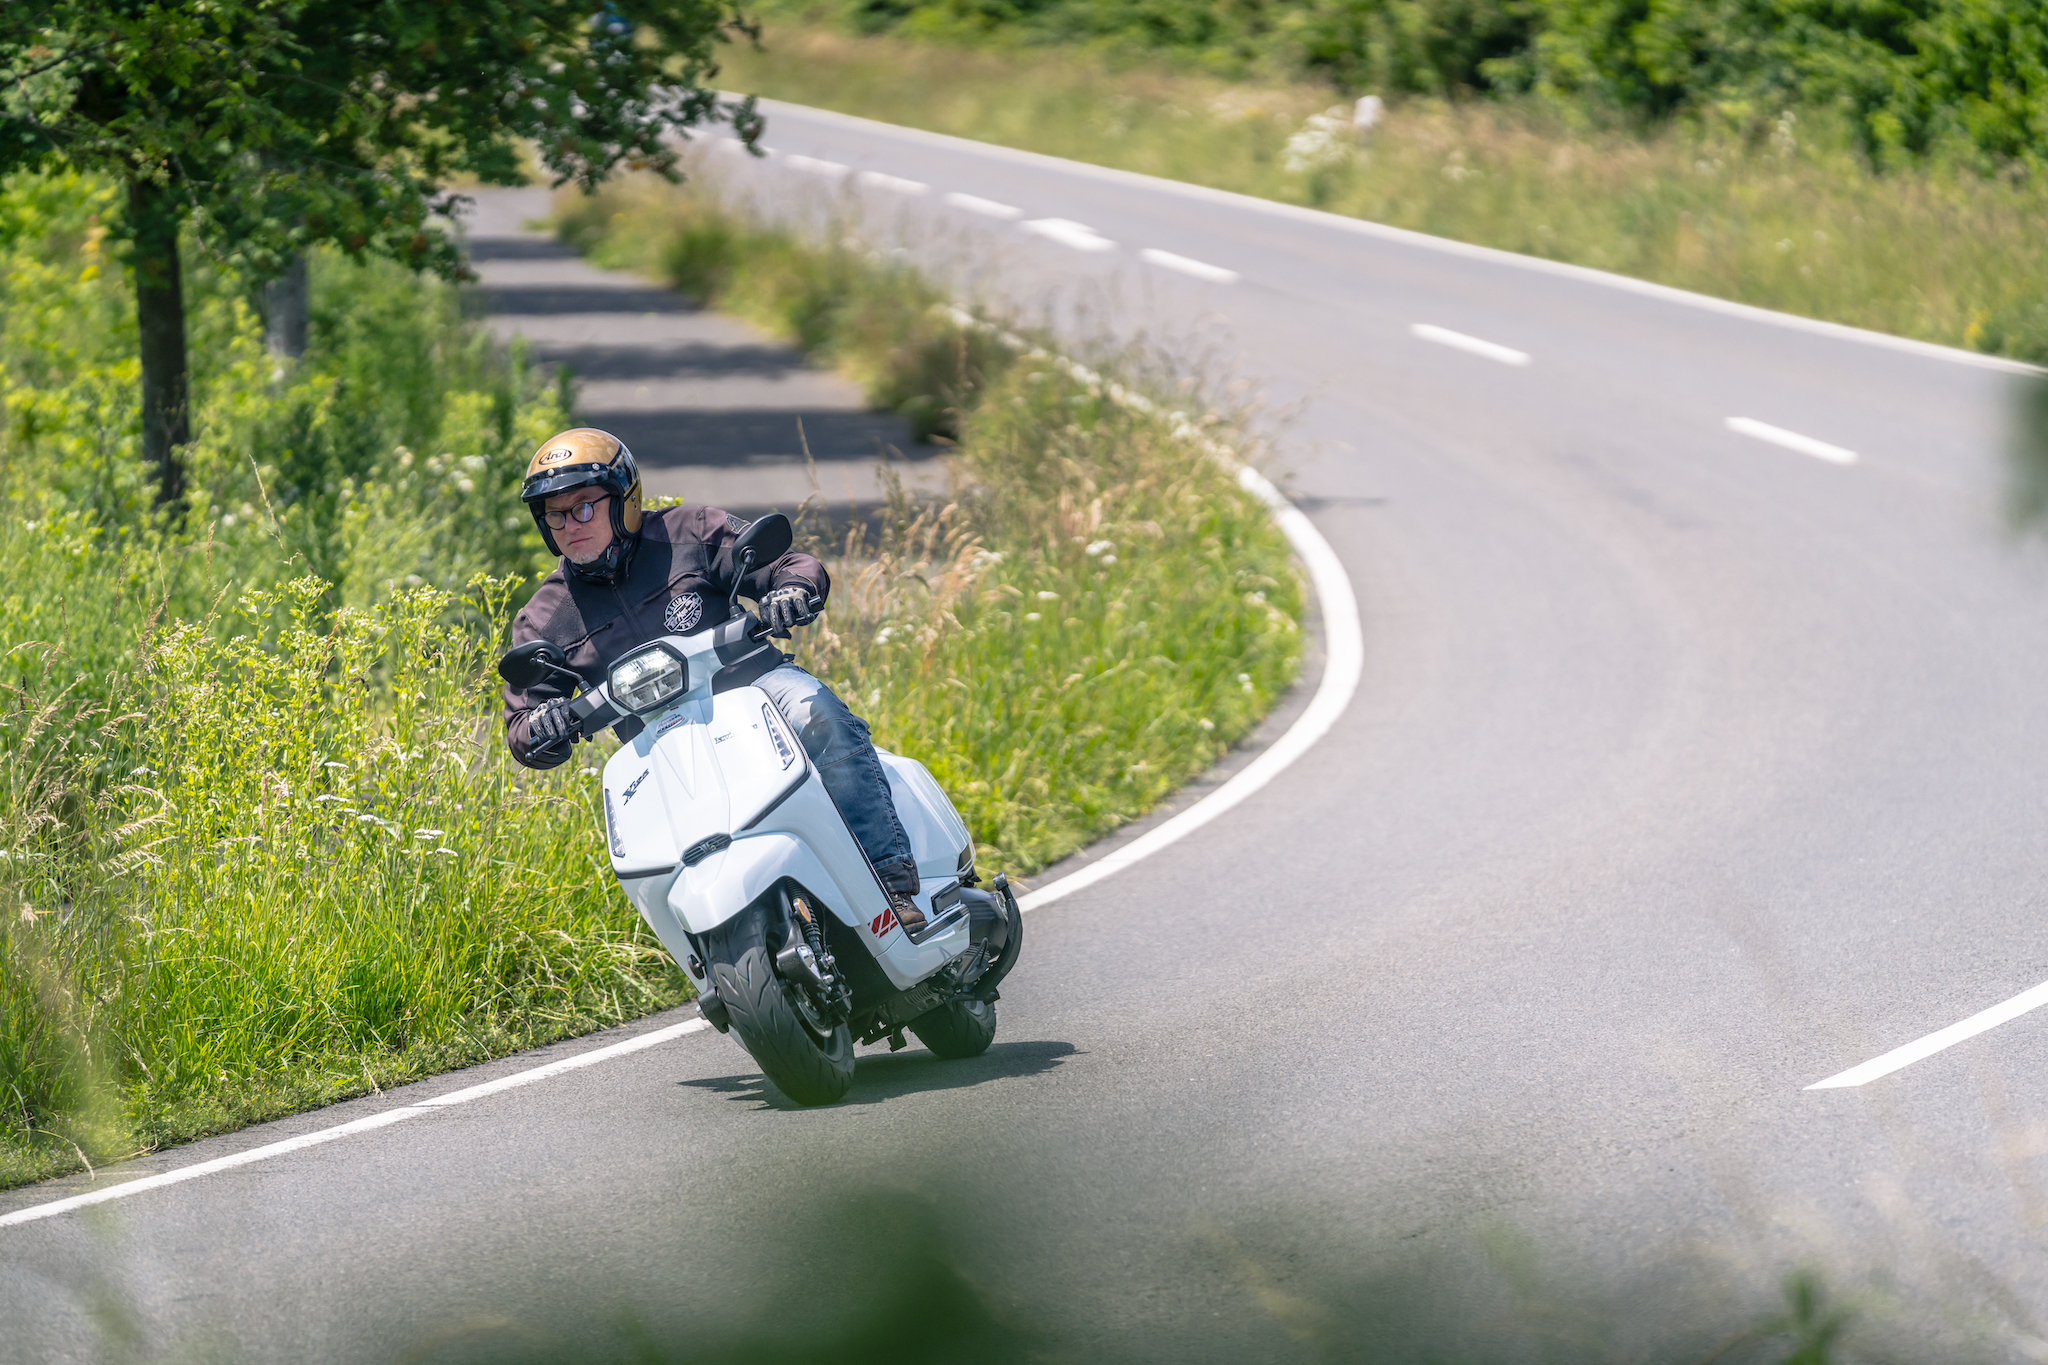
[(1699, 756)]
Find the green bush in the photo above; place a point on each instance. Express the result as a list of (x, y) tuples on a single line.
[(1914, 77)]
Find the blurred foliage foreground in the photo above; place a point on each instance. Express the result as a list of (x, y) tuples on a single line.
[(260, 844)]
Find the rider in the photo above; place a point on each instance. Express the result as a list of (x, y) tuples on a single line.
[(629, 576)]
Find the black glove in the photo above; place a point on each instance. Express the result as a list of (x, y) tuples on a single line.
[(551, 724), (787, 607)]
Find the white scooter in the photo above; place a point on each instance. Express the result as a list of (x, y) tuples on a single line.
[(724, 838)]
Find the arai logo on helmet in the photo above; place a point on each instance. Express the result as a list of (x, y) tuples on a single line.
[(683, 611), (557, 455)]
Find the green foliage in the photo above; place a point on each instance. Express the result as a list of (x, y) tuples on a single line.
[(388, 456), (281, 123), (1912, 76)]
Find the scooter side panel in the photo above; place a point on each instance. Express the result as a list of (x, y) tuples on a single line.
[(937, 833)]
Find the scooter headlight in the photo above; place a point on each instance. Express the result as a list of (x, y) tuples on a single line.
[(647, 679)]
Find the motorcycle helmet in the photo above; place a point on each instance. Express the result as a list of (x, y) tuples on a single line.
[(585, 457)]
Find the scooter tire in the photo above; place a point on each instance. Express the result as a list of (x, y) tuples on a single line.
[(958, 1029), (795, 1060)]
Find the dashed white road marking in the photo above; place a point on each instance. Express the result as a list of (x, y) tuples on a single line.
[(1201, 270), (1069, 233), (1444, 336), (814, 165), (1934, 1042), (987, 208), (362, 1125), (895, 184), (1791, 440)]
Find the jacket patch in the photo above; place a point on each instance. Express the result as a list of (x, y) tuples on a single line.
[(683, 611)]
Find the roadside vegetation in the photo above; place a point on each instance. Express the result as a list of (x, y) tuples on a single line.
[(260, 845), (1785, 192)]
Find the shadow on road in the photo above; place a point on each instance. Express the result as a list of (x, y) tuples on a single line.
[(888, 1076), (2027, 496)]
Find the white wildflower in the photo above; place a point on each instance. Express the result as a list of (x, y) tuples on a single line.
[(1324, 141), (1096, 547)]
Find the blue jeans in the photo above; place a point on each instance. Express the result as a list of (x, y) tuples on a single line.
[(838, 742)]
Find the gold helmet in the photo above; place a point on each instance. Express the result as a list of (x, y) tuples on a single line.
[(578, 458)]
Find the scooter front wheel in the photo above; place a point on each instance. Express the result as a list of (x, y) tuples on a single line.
[(809, 1065)]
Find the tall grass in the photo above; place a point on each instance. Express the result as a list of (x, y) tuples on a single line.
[(285, 865), (1787, 215)]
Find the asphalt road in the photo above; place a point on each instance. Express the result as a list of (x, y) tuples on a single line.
[(1688, 769)]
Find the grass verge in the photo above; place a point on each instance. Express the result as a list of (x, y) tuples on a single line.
[(1792, 220), (260, 845)]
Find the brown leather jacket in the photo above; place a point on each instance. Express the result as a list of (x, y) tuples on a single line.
[(679, 583)]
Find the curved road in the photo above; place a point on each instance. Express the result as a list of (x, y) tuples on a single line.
[(1693, 764)]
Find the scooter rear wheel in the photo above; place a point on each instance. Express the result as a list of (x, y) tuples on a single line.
[(958, 1029), (809, 1066)]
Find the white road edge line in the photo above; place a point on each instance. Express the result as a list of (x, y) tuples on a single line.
[(894, 183), (1187, 265), (1345, 644), (1444, 336), (987, 208), (362, 1125), (1791, 440), (1069, 233), (1912, 1052)]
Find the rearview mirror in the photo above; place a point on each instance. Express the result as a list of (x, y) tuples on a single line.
[(532, 663), (769, 538)]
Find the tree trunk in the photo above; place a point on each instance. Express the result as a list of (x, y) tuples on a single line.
[(284, 311), (160, 317)]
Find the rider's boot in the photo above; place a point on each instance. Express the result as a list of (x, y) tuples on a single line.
[(907, 913)]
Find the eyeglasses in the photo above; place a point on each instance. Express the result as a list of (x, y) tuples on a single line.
[(582, 511)]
